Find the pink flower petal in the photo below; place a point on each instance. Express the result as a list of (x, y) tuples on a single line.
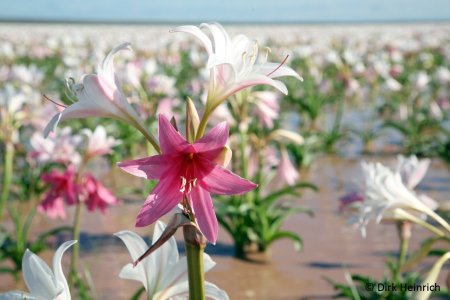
[(204, 212), (216, 138), (164, 197), (221, 181), (170, 140), (149, 167)]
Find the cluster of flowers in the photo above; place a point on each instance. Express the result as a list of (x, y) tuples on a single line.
[(71, 185), (187, 169)]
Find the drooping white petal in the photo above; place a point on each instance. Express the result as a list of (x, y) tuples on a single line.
[(136, 247), (195, 31), (38, 277), (213, 292), (274, 70), (58, 271)]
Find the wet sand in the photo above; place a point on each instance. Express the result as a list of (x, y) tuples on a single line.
[(330, 246)]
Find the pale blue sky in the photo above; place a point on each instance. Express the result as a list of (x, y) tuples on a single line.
[(302, 11)]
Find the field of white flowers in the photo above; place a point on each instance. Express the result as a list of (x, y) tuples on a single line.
[(339, 147)]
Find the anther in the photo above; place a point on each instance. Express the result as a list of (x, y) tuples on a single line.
[(183, 184)]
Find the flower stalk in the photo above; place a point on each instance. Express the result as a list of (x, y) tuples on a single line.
[(195, 245), (404, 233), (7, 176)]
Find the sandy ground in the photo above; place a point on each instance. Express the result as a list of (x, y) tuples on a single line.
[(330, 246)]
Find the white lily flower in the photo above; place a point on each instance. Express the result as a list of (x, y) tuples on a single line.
[(162, 273), (42, 282), (101, 96), (232, 63), (384, 191)]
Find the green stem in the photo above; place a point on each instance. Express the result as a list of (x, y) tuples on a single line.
[(7, 176), (76, 247), (149, 137), (437, 218), (407, 216), (195, 246), (202, 126), (403, 247)]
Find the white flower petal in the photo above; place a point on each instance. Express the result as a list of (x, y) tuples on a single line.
[(136, 247), (213, 292), (195, 31), (39, 278), (17, 295), (58, 271)]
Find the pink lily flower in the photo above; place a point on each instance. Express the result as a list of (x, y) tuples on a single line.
[(63, 189), (286, 173), (97, 195), (101, 96), (187, 172), (232, 63)]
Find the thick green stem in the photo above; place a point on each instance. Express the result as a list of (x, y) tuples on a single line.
[(195, 246), (403, 228), (7, 176), (76, 246)]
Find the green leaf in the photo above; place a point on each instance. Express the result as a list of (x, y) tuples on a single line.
[(298, 242), (432, 277), (421, 253), (269, 199)]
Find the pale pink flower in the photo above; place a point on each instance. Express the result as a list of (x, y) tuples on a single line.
[(100, 96), (232, 63), (63, 190), (266, 107), (96, 195), (99, 143), (286, 173), (166, 106), (60, 147), (187, 171)]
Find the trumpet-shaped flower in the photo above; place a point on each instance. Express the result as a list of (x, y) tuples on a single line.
[(100, 96), (266, 107), (286, 173), (384, 191), (233, 63), (96, 195), (187, 171), (42, 282), (63, 190), (98, 142), (163, 273)]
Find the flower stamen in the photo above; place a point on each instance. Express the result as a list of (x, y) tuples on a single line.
[(183, 184), (281, 64), (53, 101)]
